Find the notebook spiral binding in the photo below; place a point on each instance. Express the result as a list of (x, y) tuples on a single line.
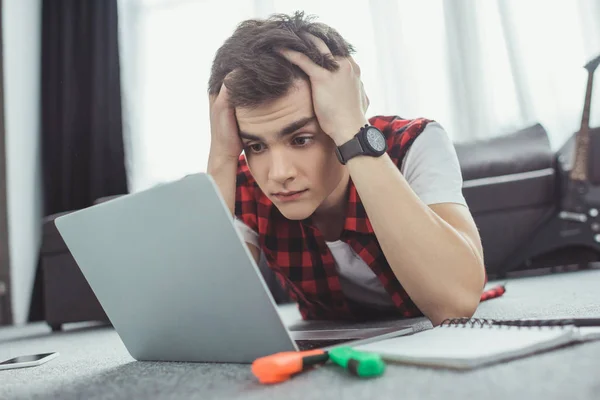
[(516, 323)]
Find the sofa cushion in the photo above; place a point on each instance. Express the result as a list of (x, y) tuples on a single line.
[(52, 242), (509, 171)]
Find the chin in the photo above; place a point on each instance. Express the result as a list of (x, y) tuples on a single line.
[(296, 212)]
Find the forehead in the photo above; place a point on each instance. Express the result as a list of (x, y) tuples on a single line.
[(269, 119)]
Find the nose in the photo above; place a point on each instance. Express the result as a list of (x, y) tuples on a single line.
[(282, 167)]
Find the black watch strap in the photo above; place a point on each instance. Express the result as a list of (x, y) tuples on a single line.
[(351, 148)]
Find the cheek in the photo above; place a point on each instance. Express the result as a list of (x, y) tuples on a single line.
[(259, 170), (326, 170)]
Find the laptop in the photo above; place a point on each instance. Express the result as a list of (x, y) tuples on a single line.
[(178, 283)]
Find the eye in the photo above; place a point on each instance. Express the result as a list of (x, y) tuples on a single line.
[(302, 140), (256, 147)]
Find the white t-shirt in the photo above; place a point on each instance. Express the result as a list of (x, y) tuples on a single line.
[(433, 172)]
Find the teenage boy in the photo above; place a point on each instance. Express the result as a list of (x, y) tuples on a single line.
[(358, 217)]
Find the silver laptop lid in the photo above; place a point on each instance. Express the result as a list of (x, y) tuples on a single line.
[(174, 276)]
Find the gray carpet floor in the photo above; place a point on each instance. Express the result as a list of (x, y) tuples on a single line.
[(94, 363)]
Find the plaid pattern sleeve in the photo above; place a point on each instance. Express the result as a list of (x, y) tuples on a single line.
[(400, 134)]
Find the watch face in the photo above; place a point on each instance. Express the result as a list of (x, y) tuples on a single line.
[(376, 139)]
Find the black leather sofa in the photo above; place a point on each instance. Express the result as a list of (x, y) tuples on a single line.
[(510, 186)]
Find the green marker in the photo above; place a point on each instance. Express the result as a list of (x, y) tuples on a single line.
[(359, 363)]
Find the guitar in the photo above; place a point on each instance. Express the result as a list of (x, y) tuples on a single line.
[(571, 233), (579, 194), (579, 172)]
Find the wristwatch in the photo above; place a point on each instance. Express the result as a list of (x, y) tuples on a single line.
[(369, 141)]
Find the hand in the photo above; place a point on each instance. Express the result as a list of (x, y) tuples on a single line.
[(225, 140), (338, 96)]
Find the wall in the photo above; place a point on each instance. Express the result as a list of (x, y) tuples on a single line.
[(22, 41)]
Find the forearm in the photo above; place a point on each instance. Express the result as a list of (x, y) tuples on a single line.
[(438, 266), (223, 170)]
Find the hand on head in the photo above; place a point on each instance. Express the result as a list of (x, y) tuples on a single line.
[(338, 96)]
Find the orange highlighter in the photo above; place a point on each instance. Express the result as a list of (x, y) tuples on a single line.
[(280, 367)]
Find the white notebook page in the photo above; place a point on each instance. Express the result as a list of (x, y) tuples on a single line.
[(467, 347)]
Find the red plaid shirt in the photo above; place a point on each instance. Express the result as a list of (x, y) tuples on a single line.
[(298, 254)]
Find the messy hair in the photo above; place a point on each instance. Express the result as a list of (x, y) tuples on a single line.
[(261, 74)]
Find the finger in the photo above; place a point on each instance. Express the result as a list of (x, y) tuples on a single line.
[(302, 61), (344, 64), (224, 92), (355, 66), (212, 97), (319, 43), (220, 99), (321, 47)]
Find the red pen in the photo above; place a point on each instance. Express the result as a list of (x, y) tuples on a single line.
[(494, 292)]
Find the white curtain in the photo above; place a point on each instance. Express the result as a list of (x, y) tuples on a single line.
[(480, 67)]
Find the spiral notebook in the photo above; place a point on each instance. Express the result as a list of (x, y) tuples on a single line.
[(471, 343)]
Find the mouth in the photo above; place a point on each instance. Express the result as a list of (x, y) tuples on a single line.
[(289, 196)]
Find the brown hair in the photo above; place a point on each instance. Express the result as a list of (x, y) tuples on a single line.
[(261, 74)]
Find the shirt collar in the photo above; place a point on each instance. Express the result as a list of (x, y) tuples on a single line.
[(356, 216)]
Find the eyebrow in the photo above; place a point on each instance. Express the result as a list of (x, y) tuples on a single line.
[(288, 130)]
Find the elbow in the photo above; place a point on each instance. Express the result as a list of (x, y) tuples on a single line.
[(463, 303), (462, 308)]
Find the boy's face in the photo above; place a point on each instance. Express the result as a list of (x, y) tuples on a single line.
[(292, 160)]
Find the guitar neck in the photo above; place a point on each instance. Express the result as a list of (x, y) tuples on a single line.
[(579, 172)]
